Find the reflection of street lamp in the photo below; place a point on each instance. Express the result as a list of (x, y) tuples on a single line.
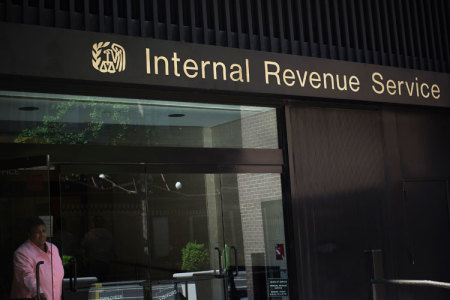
[(178, 185), (103, 176)]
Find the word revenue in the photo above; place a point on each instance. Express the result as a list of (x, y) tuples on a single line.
[(313, 79), (194, 69)]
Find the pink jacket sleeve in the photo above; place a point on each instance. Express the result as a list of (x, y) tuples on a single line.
[(24, 268)]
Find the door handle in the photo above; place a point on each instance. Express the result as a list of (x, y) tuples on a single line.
[(38, 280), (74, 275), (220, 261), (236, 267)]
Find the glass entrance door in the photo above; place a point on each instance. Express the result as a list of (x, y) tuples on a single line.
[(218, 236), (103, 232), (127, 232), (253, 229), (26, 226)]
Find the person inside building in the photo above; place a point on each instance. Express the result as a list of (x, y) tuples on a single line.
[(98, 246), (36, 249)]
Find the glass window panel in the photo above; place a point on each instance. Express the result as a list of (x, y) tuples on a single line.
[(69, 119)]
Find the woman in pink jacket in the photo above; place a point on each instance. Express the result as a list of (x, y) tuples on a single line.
[(36, 249)]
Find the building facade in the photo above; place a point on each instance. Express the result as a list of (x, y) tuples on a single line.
[(226, 149)]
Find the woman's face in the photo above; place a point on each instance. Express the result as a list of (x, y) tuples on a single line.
[(38, 235)]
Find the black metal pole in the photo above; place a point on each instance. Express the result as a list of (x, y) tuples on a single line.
[(38, 280)]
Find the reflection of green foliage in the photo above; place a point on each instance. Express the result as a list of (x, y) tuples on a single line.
[(194, 257), (54, 128), (66, 260)]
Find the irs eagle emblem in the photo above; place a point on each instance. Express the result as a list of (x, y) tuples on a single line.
[(108, 59)]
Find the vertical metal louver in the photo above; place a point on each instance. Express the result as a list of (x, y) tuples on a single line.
[(402, 33)]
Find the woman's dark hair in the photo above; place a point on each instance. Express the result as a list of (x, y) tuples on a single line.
[(32, 222)]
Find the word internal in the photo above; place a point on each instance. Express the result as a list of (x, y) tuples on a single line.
[(194, 69)]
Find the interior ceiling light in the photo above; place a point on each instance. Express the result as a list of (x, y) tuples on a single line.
[(176, 115), (28, 108)]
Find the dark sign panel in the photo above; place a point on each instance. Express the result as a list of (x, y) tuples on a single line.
[(278, 287), (69, 54)]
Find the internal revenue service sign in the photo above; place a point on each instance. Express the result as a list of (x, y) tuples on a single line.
[(35, 51)]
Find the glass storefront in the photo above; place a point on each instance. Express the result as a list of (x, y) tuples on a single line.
[(134, 230)]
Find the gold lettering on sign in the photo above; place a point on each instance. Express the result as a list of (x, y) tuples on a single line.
[(108, 59)]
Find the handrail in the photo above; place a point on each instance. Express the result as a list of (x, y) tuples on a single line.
[(185, 275), (431, 283), (378, 281)]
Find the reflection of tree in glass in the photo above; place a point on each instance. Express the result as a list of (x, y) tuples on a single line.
[(108, 124), (195, 257)]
